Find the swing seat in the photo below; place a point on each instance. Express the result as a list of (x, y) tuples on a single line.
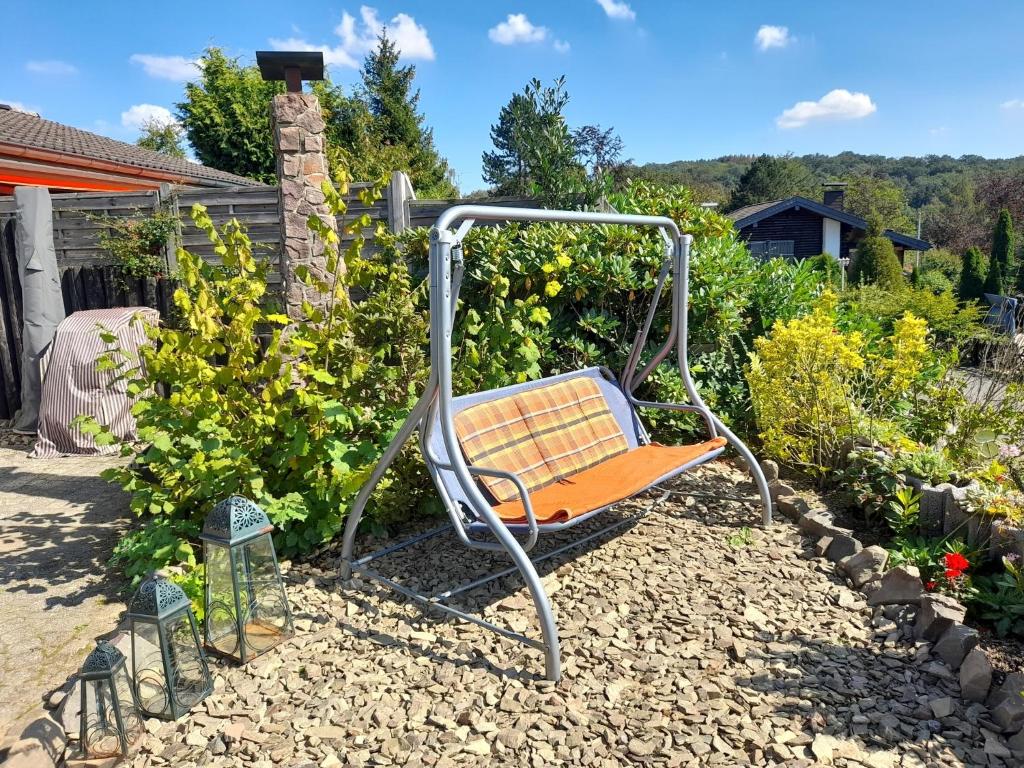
[(574, 441)]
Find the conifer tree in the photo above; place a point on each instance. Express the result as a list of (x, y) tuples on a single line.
[(876, 260), (994, 278), (972, 276)]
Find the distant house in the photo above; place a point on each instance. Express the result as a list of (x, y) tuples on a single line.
[(38, 152), (798, 227)]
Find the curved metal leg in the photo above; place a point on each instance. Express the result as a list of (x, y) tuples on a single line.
[(359, 505), (755, 470)]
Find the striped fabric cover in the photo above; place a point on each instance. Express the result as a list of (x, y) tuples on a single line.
[(73, 386), (542, 435)]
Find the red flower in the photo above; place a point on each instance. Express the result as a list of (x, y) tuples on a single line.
[(930, 586), (956, 562), (952, 573)]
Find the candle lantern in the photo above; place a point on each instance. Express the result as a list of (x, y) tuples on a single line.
[(168, 664), (109, 721), (247, 610)]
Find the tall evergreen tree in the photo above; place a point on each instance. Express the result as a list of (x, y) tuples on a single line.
[(994, 278), (972, 276), (392, 102), (772, 178), (1003, 243)]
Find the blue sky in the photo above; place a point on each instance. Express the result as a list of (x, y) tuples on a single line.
[(677, 80)]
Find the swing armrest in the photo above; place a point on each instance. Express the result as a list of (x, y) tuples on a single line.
[(524, 496), (703, 410)]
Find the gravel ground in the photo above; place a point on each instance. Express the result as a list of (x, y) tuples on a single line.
[(687, 640)]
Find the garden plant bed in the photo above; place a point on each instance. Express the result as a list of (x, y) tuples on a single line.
[(688, 639)]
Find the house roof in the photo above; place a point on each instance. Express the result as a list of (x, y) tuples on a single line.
[(751, 214), (27, 131)]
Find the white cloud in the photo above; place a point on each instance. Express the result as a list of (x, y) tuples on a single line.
[(360, 37), (138, 115), (562, 46), (51, 67), (838, 104), (517, 29), (1013, 104), (769, 36), (176, 68), (939, 130), (617, 10)]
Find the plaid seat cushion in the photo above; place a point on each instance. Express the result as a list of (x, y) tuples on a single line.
[(572, 425), (542, 435), (494, 434)]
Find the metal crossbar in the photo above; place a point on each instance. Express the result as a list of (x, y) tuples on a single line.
[(438, 600)]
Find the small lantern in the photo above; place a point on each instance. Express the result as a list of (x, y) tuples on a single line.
[(168, 663), (109, 720), (247, 610)]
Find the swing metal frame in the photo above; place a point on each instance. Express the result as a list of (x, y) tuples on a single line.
[(471, 515)]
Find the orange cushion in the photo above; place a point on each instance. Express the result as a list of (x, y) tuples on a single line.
[(542, 434), (613, 480)]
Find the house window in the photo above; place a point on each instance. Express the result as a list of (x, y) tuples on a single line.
[(769, 249)]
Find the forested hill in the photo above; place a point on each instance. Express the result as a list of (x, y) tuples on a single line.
[(922, 179)]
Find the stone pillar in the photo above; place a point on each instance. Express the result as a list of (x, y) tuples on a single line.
[(301, 169)]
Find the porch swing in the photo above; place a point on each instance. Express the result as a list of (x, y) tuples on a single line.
[(513, 463)]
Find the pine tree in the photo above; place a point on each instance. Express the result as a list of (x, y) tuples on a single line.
[(994, 278), (972, 276), (876, 260), (388, 91), (1002, 241)]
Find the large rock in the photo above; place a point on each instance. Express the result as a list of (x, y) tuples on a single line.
[(770, 470), (955, 643), (975, 676), (865, 565), (900, 586), (792, 507), (937, 614), (843, 546), (1006, 703), (779, 489)]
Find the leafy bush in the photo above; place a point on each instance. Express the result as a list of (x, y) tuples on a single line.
[(1000, 598), (943, 262), (546, 298), (813, 386), (137, 243), (231, 402), (876, 261), (873, 310)]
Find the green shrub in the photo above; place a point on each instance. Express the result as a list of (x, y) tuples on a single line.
[(994, 279), (231, 403), (972, 276), (941, 261), (874, 310), (876, 262)]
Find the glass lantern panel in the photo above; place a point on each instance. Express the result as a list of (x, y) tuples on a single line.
[(186, 663), (102, 738), (131, 720), (221, 617), (148, 664), (267, 608)]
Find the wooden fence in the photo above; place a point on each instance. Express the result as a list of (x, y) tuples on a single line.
[(90, 279)]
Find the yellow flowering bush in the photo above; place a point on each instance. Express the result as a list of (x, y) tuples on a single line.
[(813, 385), (802, 378)]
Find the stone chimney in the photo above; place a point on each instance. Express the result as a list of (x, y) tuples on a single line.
[(835, 194), (301, 169)]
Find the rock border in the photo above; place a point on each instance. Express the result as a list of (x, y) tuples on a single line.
[(908, 611)]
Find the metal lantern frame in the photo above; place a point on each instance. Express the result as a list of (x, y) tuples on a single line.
[(101, 668), (235, 524), (160, 603)]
